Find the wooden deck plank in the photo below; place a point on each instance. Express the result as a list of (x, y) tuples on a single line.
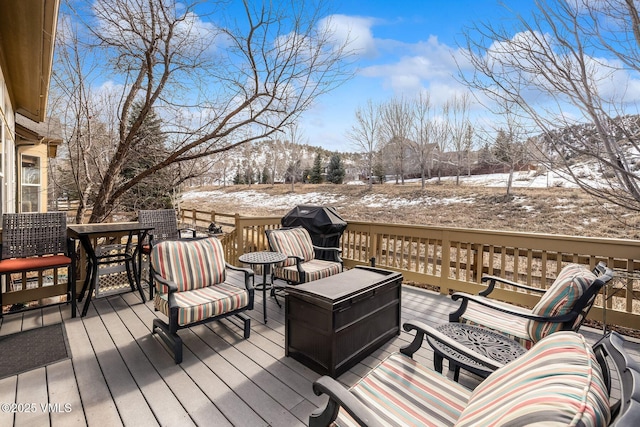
[(232, 409), (11, 323), (51, 315), (31, 319), (118, 367), (8, 395), (291, 379), (130, 402), (201, 410), (259, 367), (64, 395), (32, 392), (97, 403), (166, 408), (261, 402)]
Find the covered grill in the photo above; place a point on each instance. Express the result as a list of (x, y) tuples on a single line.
[(324, 224)]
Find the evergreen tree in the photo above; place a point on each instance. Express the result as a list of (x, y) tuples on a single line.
[(335, 170), (149, 144), (266, 176), (316, 171), (238, 179), (379, 172)]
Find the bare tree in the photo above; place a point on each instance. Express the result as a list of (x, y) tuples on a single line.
[(365, 135), (396, 124), (293, 154), (509, 149), (459, 124), (569, 63), (423, 134), (215, 86), (441, 137)]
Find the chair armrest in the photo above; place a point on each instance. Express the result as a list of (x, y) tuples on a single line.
[(248, 275), (423, 329), (495, 279), (322, 248), (336, 251), (487, 302), (161, 281), (339, 396)]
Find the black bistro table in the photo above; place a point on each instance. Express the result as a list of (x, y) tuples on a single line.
[(266, 259), (86, 234), (488, 343)]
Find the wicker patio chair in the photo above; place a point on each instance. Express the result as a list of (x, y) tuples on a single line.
[(165, 227), (302, 264), (192, 288), (563, 306), (38, 242)]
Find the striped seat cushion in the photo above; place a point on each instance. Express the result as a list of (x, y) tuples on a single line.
[(571, 283), (314, 270), (402, 392), (190, 264), (203, 303), (292, 242), (557, 382), (507, 324)]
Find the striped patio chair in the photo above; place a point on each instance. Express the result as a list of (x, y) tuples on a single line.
[(563, 306), (190, 277), (302, 264), (560, 381)]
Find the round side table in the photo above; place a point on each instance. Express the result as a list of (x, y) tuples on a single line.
[(266, 260)]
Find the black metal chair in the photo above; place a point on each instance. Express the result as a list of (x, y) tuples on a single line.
[(165, 227), (37, 242)]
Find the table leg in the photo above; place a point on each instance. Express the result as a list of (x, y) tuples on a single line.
[(264, 291), (87, 277), (456, 371), (92, 286), (437, 362), (138, 274)]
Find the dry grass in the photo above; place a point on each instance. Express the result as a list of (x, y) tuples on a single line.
[(551, 210)]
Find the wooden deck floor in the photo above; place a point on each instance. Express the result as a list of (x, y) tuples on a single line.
[(119, 374)]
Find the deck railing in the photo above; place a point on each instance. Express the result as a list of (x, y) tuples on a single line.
[(454, 259)]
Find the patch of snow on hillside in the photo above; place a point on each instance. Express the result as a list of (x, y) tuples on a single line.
[(251, 197)]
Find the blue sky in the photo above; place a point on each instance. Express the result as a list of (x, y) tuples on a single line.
[(405, 46)]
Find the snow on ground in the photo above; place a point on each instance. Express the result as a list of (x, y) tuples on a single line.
[(530, 179), (252, 197)]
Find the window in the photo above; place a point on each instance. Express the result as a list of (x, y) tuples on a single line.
[(30, 184)]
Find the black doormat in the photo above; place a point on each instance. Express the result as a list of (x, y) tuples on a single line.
[(27, 350)]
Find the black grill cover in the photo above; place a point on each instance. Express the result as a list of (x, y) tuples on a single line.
[(323, 223)]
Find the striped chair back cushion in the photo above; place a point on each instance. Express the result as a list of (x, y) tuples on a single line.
[(292, 242), (190, 264), (557, 382), (572, 281)]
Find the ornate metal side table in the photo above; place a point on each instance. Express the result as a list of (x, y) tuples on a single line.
[(266, 260), (491, 344)]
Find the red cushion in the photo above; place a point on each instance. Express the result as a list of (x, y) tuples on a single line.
[(33, 263)]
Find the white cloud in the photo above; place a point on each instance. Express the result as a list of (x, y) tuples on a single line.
[(353, 30)]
